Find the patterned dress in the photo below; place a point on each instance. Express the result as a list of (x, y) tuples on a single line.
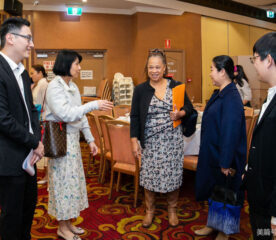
[(68, 196), (67, 186), (162, 157)]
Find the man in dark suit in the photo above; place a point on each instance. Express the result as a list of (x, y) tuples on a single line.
[(19, 132), (260, 176)]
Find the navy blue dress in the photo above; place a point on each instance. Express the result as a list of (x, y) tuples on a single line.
[(223, 142)]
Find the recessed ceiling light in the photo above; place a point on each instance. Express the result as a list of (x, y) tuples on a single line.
[(84, 0)]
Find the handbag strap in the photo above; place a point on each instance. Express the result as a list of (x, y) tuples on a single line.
[(41, 119)]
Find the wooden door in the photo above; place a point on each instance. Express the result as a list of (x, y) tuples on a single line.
[(176, 64)]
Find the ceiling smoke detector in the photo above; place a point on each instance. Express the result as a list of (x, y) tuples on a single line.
[(36, 2)]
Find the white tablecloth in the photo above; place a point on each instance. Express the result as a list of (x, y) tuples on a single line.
[(124, 118), (191, 144)]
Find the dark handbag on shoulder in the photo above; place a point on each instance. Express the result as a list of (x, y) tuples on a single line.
[(189, 124), (224, 210), (54, 139)]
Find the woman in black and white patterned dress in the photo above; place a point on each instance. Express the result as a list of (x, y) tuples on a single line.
[(162, 145)]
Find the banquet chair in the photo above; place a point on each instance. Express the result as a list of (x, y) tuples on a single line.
[(96, 132), (248, 111), (121, 110), (100, 112), (106, 144), (103, 92), (122, 157), (249, 132), (190, 162)]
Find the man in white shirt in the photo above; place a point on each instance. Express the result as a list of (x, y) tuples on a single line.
[(260, 177), (19, 132)]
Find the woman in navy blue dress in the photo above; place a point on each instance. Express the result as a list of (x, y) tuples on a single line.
[(223, 136)]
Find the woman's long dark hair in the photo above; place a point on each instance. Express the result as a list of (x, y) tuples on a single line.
[(241, 75), (226, 63)]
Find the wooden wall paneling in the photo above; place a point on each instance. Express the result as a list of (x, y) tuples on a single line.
[(89, 62)]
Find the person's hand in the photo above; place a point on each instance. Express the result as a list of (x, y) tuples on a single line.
[(136, 149), (175, 115), (226, 171), (93, 148), (39, 151), (35, 158), (105, 105), (273, 230)]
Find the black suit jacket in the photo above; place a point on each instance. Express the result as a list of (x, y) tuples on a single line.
[(15, 139), (141, 99), (261, 174)]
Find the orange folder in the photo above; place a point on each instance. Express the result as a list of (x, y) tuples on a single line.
[(178, 94)]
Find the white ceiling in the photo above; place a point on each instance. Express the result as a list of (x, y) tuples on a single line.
[(103, 6), (265, 4), (121, 5), (129, 7)]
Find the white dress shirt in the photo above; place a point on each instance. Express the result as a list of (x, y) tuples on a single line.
[(271, 92), (17, 71)]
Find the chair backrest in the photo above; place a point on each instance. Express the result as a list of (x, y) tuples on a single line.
[(100, 112), (103, 90), (102, 121), (95, 129), (87, 99), (248, 122), (248, 111), (119, 136), (249, 131), (121, 110)]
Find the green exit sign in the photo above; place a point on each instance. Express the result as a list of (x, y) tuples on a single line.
[(74, 11), (270, 14)]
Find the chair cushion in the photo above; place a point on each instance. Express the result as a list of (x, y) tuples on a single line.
[(124, 167), (190, 162)]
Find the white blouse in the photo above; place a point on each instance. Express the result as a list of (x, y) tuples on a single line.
[(39, 91), (245, 90), (63, 103)]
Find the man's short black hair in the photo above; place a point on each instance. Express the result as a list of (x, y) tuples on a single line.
[(64, 60), (13, 24), (266, 45)]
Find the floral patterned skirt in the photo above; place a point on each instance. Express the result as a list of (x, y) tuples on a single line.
[(67, 185), (162, 161)]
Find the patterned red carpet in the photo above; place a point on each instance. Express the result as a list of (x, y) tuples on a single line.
[(117, 219)]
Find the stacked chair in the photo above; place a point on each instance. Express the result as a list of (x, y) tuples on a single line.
[(122, 89)]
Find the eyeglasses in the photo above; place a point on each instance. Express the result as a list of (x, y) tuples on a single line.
[(157, 51), (253, 59), (28, 37)]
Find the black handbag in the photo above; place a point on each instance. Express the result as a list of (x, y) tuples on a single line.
[(189, 124), (54, 139)]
